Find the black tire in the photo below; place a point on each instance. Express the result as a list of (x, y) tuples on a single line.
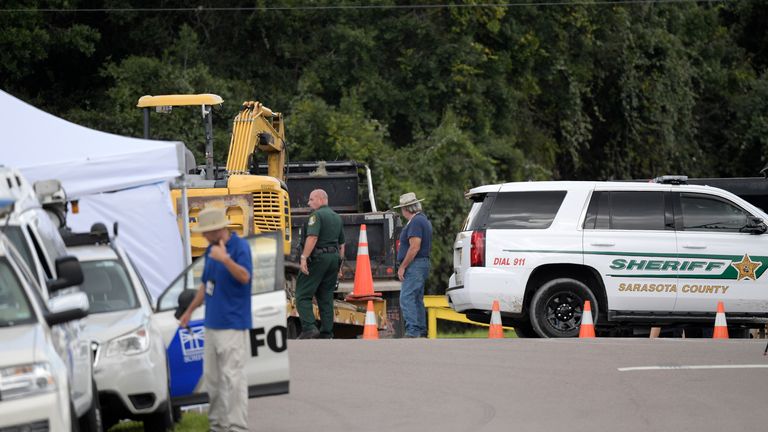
[(176, 414), (92, 420), (160, 420), (557, 306), (524, 329)]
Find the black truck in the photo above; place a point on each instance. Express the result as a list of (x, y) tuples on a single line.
[(350, 194)]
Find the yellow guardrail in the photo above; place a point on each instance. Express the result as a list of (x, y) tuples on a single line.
[(437, 308)]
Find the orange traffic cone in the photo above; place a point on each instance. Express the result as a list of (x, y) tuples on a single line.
[(371, 330), (721, 328), (494, 330), (363, 279), (587, 328)]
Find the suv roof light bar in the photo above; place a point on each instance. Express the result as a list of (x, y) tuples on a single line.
[(671, 179)]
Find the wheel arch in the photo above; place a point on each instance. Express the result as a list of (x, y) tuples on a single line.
[(582, 273)]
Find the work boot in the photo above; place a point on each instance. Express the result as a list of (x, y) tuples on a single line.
[(311, 333), (325, 335)]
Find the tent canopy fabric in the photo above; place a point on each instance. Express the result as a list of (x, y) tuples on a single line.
[(116, 178), (86, 161)]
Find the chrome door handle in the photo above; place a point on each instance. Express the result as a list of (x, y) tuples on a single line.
[(267, 311), (602, 244)]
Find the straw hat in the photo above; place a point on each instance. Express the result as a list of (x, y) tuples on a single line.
[(407, 199), (210, 219)]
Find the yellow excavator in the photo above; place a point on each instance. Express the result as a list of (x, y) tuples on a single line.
[(254, 203)]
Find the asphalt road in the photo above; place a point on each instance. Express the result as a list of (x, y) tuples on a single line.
[(521, 385)]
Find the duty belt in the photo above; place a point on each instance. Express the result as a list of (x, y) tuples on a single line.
[(322, 250)]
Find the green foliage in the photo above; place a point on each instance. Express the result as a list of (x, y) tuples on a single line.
[(435, 100)]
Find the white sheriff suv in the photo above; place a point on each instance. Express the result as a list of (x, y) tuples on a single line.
[(661, 253)]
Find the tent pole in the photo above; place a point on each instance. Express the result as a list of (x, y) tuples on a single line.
[(185, 216)]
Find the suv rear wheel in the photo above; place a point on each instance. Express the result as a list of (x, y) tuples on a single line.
[(557, 306)]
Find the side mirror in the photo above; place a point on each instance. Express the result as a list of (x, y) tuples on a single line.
[(67, 307), (69, 271), (185, 298), (755, 225)]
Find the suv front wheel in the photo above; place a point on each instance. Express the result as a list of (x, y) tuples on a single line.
[(557, 306)]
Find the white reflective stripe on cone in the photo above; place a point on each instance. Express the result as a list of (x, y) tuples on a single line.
[(586, 318), (370, 318), (495, 318), (362, 249), (720, 320)]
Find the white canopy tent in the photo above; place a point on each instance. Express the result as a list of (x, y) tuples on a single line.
[(115, 178)]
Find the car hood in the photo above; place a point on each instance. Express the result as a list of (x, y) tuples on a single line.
[(102, 327), (20, 344)]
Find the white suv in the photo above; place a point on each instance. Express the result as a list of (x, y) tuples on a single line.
[(130, 366), (36, 367), (33, 233), (642, 253)]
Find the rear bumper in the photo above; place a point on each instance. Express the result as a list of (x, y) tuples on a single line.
[(484, 285)]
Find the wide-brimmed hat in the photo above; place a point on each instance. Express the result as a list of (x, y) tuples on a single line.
[(407, 199), (210, 219)]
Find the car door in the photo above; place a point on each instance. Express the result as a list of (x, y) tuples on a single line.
[(724, 262), (629, 238), (267, 368)]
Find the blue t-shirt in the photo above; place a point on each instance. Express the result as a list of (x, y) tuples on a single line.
[(229, 307), (418, 226)]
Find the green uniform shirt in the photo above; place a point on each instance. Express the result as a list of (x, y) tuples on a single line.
[(327, 226)]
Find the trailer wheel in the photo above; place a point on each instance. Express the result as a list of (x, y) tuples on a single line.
[(294, 327)]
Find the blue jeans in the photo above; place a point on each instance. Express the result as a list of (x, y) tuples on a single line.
[(412, 297)]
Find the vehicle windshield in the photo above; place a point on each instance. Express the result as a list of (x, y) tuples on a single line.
[(108, 287), (14, 304)]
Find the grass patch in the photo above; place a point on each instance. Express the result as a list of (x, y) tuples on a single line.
[(190, 422), (455, 330)]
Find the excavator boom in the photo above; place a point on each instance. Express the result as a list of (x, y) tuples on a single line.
[(257, 129)]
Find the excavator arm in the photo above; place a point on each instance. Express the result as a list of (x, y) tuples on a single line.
[(257, 129)]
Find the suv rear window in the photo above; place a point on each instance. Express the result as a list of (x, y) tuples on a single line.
[(518, 210)]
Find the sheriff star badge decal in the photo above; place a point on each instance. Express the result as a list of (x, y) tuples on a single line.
[(746, 268)]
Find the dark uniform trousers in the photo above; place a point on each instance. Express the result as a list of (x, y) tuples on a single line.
[(323, 266), (320, 283)]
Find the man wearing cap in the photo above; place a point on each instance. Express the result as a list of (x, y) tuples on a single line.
[(413, 256), (322, 252), (226, 291)]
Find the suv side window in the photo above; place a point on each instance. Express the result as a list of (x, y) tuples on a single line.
[(629, 210), (710, 213), (635, 210), (519, 210)]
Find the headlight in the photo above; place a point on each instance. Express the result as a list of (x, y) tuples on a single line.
[(26, 380), (135, 342)]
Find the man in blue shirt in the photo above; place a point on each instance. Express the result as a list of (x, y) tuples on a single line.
[(226, 290), (413, 256)]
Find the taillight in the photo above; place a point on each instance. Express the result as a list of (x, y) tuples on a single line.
[(477, 251), (397, 247)]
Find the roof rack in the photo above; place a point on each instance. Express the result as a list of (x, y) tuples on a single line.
[(671, 179), (97, 235)]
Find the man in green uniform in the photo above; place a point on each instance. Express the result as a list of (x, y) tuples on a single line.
[(320, 258)]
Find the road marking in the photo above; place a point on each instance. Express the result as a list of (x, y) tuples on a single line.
[(687, 367)]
